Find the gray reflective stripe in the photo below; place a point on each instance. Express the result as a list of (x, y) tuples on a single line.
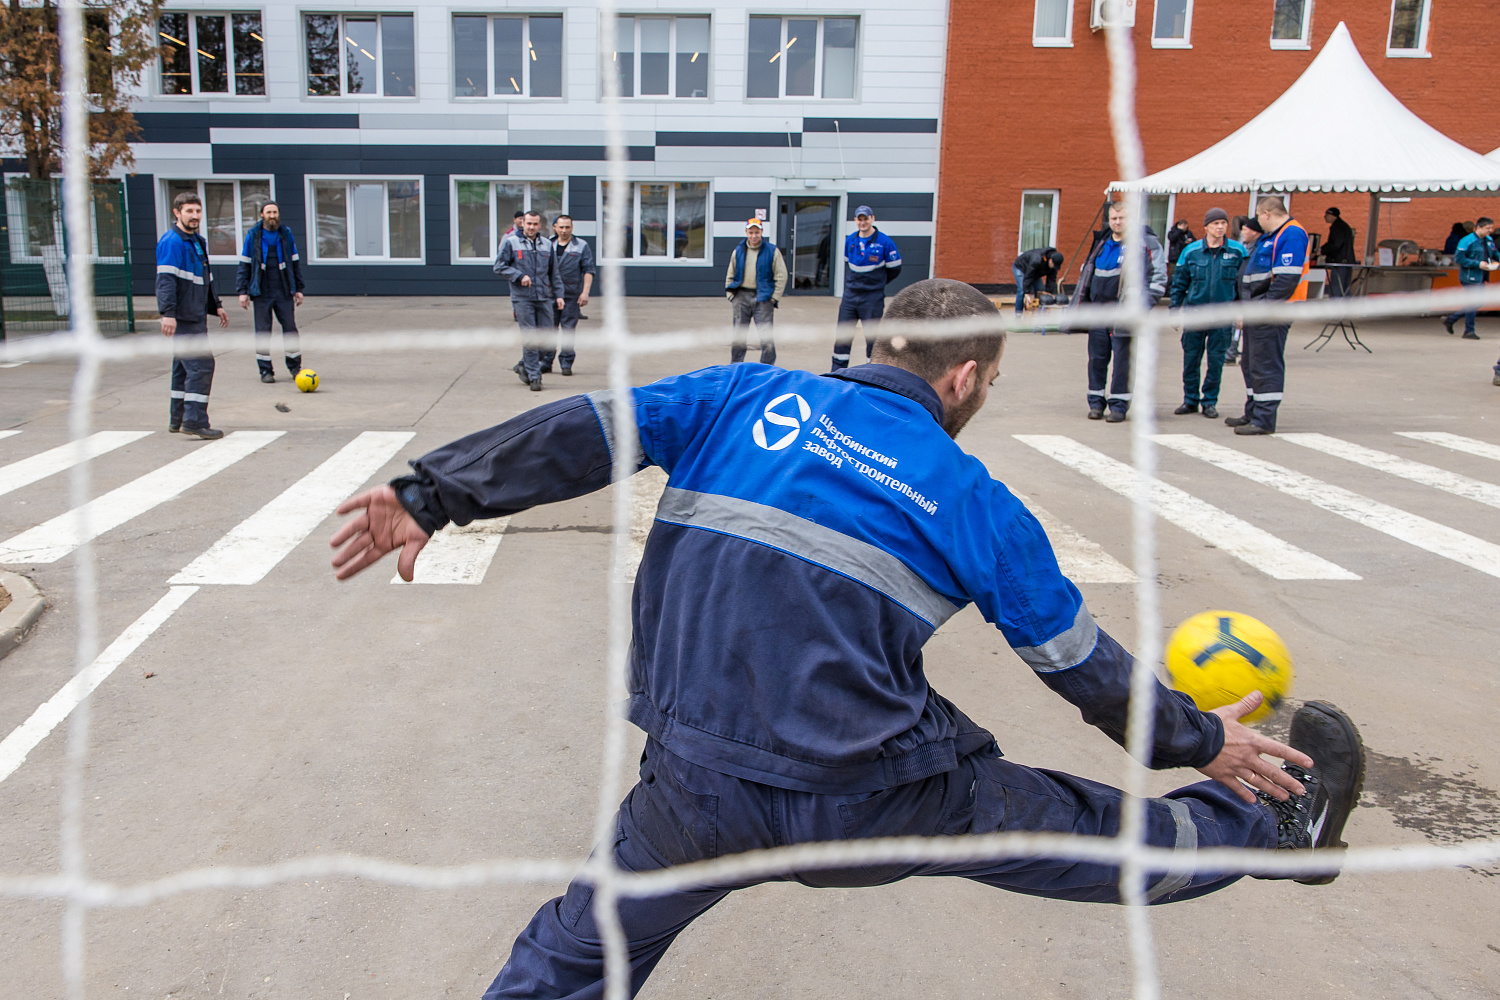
[(1065, 650), (195, 397), (1268, 395), (862, 268), (1187, 840), (1119, 395), (1106, 272), (602, 400), (1261, 275), (178, 272), (1287, 269), (175, 394), (893, 262), (244, 259), (833, 550), (262, 357)]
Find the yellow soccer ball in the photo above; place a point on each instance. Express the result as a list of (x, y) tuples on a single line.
[(1218, 657), (307, 380)]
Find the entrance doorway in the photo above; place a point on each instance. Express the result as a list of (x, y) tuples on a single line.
[(805, 233)]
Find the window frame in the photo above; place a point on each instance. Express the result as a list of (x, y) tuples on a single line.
[(192, 45), (18, 223), (1065, 41), (1056, 195), (1305, 42), (379, 15), (818, 63), (164, 212), (492, 180), (1186, 41), (635, 259), (1420, 50), (490, 16), (311, 256), (607, 51)]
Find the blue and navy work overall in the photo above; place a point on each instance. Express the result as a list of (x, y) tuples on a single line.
[(185, 292), (1271, 273), (1099, 283), (574, 259), (534, 304), (270, 272), (1472, 251), (870, 263), (814, 532), (762, 309), (1205, 275)]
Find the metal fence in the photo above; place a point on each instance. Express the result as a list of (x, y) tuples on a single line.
[(34, 258)]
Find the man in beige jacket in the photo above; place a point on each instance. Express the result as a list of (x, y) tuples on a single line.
[(754, 285)]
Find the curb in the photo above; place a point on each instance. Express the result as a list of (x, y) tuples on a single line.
[(25, 607)]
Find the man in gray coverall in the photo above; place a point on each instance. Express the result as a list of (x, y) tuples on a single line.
[(528, 260)]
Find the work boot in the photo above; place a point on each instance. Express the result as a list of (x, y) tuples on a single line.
[(1316, 820), (536, 385), (1186, 408), (547, 368), (1236, 421), (268, 377), (177, 428), (567, 369), (1448, 324), (1115, 417), (1210, 411), (205, 432), (1497, 379), (520, 370), (1248, 429), (1470, 335), (1096, 413)]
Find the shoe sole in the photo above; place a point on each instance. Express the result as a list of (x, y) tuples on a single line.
[(1338, 812)]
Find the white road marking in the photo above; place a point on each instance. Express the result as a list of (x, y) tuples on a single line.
[(1081, 559), (1456, 442), (24, 738), (1439, 539), (459, 554), (1427, 475), (51, 540), (252, 548), (6, 434), (60, 459), (1278, 559)]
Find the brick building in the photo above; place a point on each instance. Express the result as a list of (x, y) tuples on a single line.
[(1026, 148)]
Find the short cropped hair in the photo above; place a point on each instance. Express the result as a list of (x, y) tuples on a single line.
[(939, 298), (534, 212), (559, 218), (1271, 203), (1483, 220), (186, 198)]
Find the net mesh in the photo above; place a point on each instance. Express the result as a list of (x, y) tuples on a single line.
[(80, 892)]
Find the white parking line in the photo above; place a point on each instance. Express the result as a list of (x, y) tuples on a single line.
[(1081, 559), (1427, 475), (24, 738), (1260, 549), (6, 434), (51, 540), (1438, 539), (1456, 442), (252, 548), (459, 554), (63, 457)]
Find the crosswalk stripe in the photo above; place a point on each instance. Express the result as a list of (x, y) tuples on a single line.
[(1261, 549), (1081, 559), (63, 457), (51, 540), (1438, 539), (6, 434), (252, 548), (24, 738), (1456, 442), (1417, 472), (459, 554)]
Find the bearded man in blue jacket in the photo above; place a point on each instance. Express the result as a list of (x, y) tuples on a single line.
[(814, 533)]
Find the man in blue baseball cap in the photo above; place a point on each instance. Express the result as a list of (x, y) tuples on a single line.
[(871, 261)]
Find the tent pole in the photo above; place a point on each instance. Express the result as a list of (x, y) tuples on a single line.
[(1372, 241)]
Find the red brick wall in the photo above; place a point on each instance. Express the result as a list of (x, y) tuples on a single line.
[(1018, 117)]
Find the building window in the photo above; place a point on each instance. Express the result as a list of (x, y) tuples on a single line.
[(1172, 27), (803, 57), (666, 221), (1053, 24), (366, 219), (230, 209), (34, 208), (211, 53), (1038, 219), (484, 209), (1291, 24), (1408, 28), (1159, 216), (508, 56), (370, 54), (660, 56)]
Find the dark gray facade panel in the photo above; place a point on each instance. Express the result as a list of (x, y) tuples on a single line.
[(583, 198), (918, 125), (595, 154), (916, 261), (772, 140), (893, 207), (140, 202), (193, 126), (737, 206)]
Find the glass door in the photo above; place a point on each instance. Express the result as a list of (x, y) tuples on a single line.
[(805, 232)]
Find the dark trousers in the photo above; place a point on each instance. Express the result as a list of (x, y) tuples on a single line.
[(281, 307), (865, 307), (1026, 286), (1338, 280), (533, 315), (192, 378), (680, 813), (1195, 344), (1467, 317), (1106, 346), (742, 309), (565, 320), (1263, 363)]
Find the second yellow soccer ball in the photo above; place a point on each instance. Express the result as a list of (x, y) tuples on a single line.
[(1218, 657), (307, 380)]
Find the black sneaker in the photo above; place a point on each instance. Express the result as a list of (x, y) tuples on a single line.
[(1186, 408), (521, 371), (1316, 820), (268, 377), (1236, 421), (536, 385), (205, 432)]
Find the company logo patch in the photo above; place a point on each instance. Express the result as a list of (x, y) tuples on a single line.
[(793, 422), (1286, 258)]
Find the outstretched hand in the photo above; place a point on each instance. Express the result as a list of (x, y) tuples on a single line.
[(1240, 761), (380, 526)]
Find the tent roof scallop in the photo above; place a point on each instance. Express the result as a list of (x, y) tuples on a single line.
[(1337, 128)]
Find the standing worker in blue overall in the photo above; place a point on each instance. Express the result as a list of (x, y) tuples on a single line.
[(575, 266), (184, 297), (1272, 273), (527, 259), (270, 274), (814, 533), (1207, 271), (871, 261), (754, 283), (1474, 255)]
